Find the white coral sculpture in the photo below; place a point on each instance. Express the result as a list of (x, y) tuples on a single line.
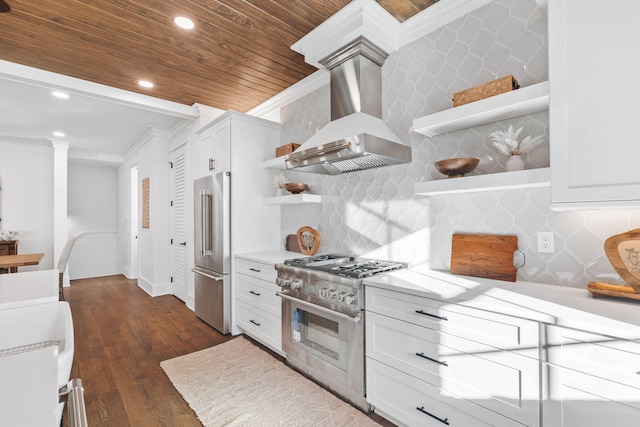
[(280, 180), (506, 141)]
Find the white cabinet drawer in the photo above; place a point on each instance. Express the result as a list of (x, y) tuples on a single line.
[(489, 328), (580, 400), (611, 358), (260, 325), (259, 293), (416, 403), (256, 269), (498, 380)]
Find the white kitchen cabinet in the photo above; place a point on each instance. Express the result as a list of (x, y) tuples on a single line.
[(259, 308), (591, 380), (593, 65), (204, 155), (452, 355)]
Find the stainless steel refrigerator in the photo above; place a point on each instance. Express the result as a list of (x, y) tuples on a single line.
[(213, 250)]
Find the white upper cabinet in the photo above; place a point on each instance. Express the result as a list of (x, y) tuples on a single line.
[(594, 93)]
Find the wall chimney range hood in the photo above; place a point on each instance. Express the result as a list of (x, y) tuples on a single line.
[(356, 138)]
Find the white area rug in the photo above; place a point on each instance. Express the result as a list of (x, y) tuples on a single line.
[(238, 384)]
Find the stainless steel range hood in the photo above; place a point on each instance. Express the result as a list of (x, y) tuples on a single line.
[(356, 138)]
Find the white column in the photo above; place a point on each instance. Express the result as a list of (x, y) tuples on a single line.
[(60, 222)]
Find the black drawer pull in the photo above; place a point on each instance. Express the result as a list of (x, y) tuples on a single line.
[(445, 421), (432, 360), (254, 322), (431, 315), (257, 270), (254, 293)]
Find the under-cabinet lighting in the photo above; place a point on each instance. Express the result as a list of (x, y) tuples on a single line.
[(145, 83), (58, 134), (60, 95), (184, 23)]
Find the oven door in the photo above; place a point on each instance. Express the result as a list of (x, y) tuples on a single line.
[(325, 345)]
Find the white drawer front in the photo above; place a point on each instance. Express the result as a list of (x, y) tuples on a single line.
[(260, 294), (262, 326), (580, 400), (498, 380), (497, 330), (257, 269), (416, 403), (614, 359)]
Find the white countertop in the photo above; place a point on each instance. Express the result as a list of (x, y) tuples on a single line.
[(270, 257), (564, 306), (28, 288)]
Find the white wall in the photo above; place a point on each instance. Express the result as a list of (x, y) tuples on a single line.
[(92, 210), (26, 199)]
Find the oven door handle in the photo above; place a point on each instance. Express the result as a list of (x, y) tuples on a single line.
[(320, 308)]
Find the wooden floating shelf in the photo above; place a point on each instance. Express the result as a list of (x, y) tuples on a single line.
[(526, 100), (529, 178), (294, 199)]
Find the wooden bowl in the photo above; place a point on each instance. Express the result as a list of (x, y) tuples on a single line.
[(458, 167), (295, 187)]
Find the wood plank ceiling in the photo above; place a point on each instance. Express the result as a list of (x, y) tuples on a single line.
[(237, 56)]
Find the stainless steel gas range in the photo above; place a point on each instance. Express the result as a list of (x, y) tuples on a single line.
[(322, 319)]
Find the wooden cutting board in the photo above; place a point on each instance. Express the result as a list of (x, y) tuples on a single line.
[(484, 255)]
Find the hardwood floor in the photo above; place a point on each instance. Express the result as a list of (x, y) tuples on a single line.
[(121, 336)]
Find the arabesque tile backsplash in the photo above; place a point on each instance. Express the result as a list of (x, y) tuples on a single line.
[(375, 212)]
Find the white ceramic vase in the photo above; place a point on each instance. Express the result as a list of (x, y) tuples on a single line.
[(514, 163)]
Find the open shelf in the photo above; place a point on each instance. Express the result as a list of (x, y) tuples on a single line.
[(526, 100), (293, 199), (490, 182), (277, 163)]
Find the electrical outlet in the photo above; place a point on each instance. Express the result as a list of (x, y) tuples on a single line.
[(545, 241)]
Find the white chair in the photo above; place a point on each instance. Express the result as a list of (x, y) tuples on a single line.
[(62, 263)]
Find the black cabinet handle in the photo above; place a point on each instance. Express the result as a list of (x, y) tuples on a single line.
[(255, 293), (443, 421), (254, 269), (431, 315), (254, 322), (432, 360)]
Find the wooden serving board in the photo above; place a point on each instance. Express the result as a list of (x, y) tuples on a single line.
[(484, 255)]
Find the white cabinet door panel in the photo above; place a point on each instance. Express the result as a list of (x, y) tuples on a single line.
[(593, 66)]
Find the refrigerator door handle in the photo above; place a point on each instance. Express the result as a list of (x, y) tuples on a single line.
[(217, 278), (205, 222)]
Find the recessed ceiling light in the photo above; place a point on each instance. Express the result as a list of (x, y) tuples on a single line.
[(58, 134), (145, 83), (60, 95), (184, 23)]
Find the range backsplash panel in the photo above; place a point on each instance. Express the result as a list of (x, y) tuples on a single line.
[(375, 213)]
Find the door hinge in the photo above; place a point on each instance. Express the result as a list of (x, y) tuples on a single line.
[(171, 203), (171, 165), (171, 279), (172, 241)]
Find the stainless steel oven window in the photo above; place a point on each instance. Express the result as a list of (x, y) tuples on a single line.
[(320, 335)]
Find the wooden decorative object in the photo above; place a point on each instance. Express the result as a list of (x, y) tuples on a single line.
[(308, 240), (484, 255), (286, 149), (623, 251), (145, 203), (486, 90), (291, 243)]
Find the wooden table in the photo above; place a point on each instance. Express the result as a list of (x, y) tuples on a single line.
[(8, 261)]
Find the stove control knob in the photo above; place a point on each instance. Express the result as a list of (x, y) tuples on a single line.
[(323, 292), (331, 294), (350, 299), (341, 296), (295, 284)]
